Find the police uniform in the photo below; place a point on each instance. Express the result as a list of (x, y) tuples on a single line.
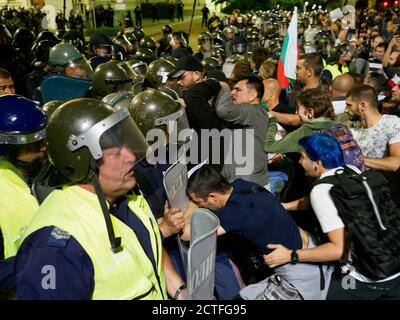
[(18, 207), (69, 235)]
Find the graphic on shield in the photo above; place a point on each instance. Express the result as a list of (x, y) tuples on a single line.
[(201, 255)]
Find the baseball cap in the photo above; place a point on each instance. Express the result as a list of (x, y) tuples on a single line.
[(188, 63)]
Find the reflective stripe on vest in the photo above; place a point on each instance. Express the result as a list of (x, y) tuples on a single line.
[(125, 275), (17, 204), (334, 70)]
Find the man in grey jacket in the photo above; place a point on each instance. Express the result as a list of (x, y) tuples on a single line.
[(248, 119)]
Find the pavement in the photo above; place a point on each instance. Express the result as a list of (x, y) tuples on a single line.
[(154, 29)]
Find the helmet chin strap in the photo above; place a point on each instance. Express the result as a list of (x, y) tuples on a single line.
[(115, 242)]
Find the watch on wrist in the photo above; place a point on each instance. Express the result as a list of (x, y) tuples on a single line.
[(179, 290), (294, 258)]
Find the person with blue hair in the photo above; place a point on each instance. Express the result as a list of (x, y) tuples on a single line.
[(324, 148), (321, 156)]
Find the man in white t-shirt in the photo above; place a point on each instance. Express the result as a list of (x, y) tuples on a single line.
[(379, 139), (321, 156)]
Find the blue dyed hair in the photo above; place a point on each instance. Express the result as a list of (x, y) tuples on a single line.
[(324, 148)]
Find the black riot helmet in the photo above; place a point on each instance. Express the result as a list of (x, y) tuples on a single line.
[(110, 77), (157, 73), (155, 109), (81, 129), (100, 45), (75, 38), (166, 30), (23, 39), (148, 42), (146, 55)]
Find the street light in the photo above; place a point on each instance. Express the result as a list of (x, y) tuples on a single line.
[(305, 6)]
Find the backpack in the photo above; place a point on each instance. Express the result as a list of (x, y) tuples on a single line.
[(352, 153), (371, 219)]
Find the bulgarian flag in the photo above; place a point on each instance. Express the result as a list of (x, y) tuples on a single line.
[(394, 81), (289, 54)]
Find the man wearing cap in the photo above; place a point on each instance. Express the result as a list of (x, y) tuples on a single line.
[(197, 94)]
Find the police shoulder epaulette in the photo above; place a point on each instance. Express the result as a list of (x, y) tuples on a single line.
[(58, 238)]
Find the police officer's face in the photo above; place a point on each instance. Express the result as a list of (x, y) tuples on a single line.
[(6, 86), (116, 175)]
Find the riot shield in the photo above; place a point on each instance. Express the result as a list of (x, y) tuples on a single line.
[(175, 181), (201, 255), (59, 87)]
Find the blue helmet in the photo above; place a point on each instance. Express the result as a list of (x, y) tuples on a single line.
[(21, 122)]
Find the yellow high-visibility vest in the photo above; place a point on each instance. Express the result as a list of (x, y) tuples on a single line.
[(125, 275)]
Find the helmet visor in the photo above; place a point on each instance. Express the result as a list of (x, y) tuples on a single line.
[(140, 70), (116, 131), (79, 68), (178, 126)]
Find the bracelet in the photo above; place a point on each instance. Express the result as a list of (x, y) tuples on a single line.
[(179, 290)]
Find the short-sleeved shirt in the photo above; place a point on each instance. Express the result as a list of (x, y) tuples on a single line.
[(323, 205), (259, 217), (375, 140)]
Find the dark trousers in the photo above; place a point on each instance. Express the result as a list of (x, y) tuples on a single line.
[(204, 21), (340, 290)]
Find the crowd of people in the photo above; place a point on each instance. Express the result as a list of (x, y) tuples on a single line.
[(303, 179)]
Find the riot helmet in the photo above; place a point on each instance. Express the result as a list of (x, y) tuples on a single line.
[(148, 42), (139, 33), (101, 45), (51, 106), (210, 64), (80, 131), (118, 100), (138, 67), (110, 77), (146, 55), (157, 73), (166, 29), (75, 38), (22, 125), (65, 59), (23, 39)]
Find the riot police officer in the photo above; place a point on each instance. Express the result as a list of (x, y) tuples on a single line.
[(112, 249)]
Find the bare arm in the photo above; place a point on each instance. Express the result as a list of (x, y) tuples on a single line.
[(287, 118), (330, 251), (299, 204), (390, 163), (172, 278)]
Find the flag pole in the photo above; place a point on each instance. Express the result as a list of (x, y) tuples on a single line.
[(191, 20)]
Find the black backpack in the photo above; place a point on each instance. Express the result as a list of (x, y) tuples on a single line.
[(371, 219)]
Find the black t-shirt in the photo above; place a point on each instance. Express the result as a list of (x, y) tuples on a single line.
[(259, 217)]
